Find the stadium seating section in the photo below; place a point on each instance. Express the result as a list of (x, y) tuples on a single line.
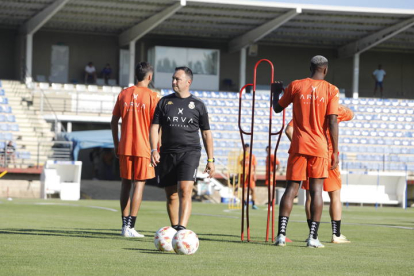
[(8, 130), (380, 137)]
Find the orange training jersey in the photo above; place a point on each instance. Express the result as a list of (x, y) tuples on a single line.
[(344, 114), (246, 163), (312, 101), (272, 157), (136, 106)]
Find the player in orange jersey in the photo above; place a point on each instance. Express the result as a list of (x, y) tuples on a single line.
[(252, 176), (136, 106), (315, 109), (332, 184), (272, 163)]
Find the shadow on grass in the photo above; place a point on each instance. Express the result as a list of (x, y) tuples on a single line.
[(148, 251), (78, 233)]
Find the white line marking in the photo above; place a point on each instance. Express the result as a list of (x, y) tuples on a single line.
[(76, 205)]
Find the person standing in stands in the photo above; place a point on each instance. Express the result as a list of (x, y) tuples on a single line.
[(180, 116), (379, 76), (136, 106)]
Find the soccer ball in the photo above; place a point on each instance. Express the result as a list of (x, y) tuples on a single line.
[(163, 238), (185, 242)]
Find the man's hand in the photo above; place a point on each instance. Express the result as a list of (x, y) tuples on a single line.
[(254, 177), (334, 161), (210, 169), (155, 158), (276, 88)]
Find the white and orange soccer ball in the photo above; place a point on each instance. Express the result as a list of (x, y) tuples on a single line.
[(185, 242), (163, 238)]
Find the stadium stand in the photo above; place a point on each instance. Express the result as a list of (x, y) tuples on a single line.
[(379, 138), (24, 127)]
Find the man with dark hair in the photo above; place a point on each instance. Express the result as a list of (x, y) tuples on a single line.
[(315, 107), (136, 106), (180, 116), (107, 73), (90, 73)]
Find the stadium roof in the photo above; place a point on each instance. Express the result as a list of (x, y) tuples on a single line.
[(239, 23)]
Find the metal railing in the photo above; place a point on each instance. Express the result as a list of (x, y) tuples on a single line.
[(55, 150)]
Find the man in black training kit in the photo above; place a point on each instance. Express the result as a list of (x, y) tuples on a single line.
[(180, 116)]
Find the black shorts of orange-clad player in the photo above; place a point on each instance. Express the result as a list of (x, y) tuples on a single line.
[(174, 167)]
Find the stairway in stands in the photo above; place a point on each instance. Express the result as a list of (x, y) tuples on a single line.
[(31, 128)]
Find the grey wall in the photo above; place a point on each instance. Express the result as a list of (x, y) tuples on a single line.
[(82, 49), (290, 63), (293, 63), (8, 45)]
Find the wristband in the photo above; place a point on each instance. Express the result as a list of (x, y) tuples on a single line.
[(211, 160), (153, 150)]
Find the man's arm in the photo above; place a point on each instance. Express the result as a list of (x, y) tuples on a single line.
[(208, 145), (333, 131), (289, 132), (114, 128), (155, 156)]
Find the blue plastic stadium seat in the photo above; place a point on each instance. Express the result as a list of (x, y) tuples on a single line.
[(234, 110), (11, 118), (23, 154), (2, 92), (8, 136), (215, 95), (216, 135)]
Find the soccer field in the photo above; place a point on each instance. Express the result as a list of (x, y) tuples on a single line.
[(82, 238)]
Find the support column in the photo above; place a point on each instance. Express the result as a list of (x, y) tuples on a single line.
[(242, 73), (355, 78), (132, 63), (69, 127), (29, 60)]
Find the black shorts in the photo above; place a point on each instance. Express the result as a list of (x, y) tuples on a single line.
[(174, 167)]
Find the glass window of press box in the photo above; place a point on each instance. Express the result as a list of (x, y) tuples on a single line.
[(203, 62)]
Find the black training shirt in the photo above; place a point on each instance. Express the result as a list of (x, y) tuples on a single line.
[(181, 119)]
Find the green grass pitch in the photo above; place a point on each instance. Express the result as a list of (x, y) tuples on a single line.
[(53, 237)]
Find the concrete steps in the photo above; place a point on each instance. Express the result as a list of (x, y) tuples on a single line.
[(33, 129)]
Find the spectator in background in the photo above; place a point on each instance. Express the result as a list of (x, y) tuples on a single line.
[(272, 163), (252, 176), (10, 151), (90, 73), (379, 76), (108, 162), (95, 158), (106, 73)]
